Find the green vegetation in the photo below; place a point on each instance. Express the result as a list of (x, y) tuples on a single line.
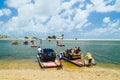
[(3, 36), (35, 38), (26, 37), (52, 37), (62, 36)]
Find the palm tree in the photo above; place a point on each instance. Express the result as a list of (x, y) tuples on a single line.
[(62, 36), (54, 37), (49, 37), (26, 37), (35, 38)]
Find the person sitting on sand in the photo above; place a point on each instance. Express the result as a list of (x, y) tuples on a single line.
[(89, 57)]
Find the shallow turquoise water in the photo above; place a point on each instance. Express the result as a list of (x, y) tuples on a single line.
[(104, 52)]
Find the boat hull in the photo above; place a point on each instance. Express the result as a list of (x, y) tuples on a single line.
[(80, 62), (50, 64), (77, 62)]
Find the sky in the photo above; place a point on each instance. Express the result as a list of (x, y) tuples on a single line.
[(83, 19)]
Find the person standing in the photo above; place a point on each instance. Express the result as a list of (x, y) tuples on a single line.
[(89, 57), (61, 58), (57, 42), (39, 50)]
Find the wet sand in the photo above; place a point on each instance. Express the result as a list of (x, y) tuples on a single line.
[(30, 70)]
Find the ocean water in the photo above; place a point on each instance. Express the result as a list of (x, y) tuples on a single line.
[(105, 52)]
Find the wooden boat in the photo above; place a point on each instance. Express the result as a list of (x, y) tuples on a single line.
[(60, 45), (25, 42), (15, 43), (86, 62), (49, 64), (78, 62), (33, 45), (76, 57)]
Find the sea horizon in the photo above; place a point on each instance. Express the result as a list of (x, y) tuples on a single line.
[(60, 39)]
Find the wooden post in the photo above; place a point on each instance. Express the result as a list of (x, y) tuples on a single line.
[(40, 41)]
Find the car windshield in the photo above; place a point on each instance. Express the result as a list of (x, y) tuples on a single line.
[(48, 50)]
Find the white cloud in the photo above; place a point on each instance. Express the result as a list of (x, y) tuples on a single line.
[(67, 13), (20, 26), (80, 18), (58, 24), (110, 28), (5, 12), (114, 23), (10, 26), (77, 0), (47, 7), (100, 31), (80, 15), (30, 16), (43, 16), (42, 7), (68, 5), (111, 24), (117, 6), (17, 3), (101, 5), (87, 24), (106, 20), (90, 7)]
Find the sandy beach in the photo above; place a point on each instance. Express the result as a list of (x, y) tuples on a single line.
[(93, 73), (32, 71)]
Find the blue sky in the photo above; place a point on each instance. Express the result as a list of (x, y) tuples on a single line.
[(84, 19)]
